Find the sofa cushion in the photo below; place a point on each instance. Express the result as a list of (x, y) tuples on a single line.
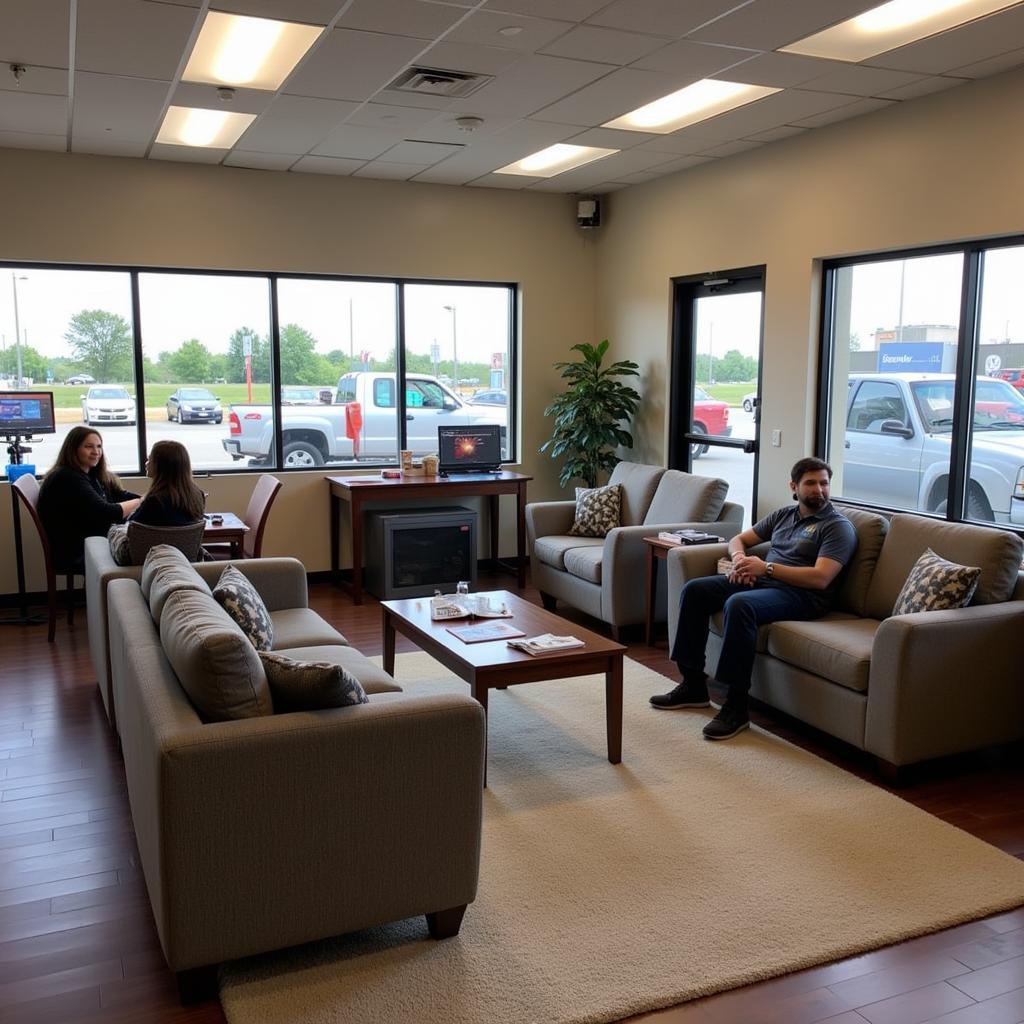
[(585, 563), (117, 537), (871, 530), (597, 511), (164, 573), (836, 647), (310, 685), (302, 627), (551, 550), (685, 498), (935, 585), (372, 677), (996, 552), (213, 659), (242, 601), (160, 556), (638, 483)]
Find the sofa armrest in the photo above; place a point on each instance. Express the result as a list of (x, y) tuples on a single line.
[(683, 564), (549, 518), (281, 582), (946, 681)]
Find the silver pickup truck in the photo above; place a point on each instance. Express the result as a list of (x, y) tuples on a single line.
[(897, 444), (315, 434)]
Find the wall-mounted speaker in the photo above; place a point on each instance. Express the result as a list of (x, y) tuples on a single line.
[(588, 213)]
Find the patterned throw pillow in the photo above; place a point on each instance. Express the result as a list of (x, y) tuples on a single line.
[(310, 685), (935, 584), (117, 535), (597, 511), (243, 603)]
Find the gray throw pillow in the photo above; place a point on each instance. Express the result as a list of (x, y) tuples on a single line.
[(241, 600), (598, 510), (935, 584), (310, 685), (117, 535)]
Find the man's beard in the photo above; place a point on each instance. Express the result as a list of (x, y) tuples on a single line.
[(814, 501)]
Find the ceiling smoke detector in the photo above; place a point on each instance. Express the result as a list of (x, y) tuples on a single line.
[(225, 94), (468, 123), (18, 70), (438, 82)]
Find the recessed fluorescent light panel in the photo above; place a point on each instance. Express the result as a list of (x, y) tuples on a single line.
[(696, 102), (256, 53), (555, 160), (194, 126), (890, 25)]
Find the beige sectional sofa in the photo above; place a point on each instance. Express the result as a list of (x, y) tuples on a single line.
[(268, 831), (905, 688)]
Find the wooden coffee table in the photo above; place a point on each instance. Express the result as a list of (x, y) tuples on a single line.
[(493, 665)]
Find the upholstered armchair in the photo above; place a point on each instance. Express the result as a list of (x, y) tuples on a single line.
[(605, 577)]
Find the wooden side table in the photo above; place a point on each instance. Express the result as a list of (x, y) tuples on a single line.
[(657, 550)]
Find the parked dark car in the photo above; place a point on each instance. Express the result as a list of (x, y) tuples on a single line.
[(194, 405), (489, 396), (80, 378)]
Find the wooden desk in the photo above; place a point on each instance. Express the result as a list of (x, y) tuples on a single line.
[(357, 490), (231, 531)]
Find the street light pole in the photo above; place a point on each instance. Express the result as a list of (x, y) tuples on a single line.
[(17, 323), (455, 349), (351, 333)]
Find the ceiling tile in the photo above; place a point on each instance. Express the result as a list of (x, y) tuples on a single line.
[(566, 10), (855, 80), (532, 83), (411, 151), (187, 154), (132, 38), (388, 172), (125, 109), (661, 17), (485, 28), (444, 129), (399, 119), (922, 87), (785, 131), (259, 161), (615, 94), (51, 81), (606, 45), (991, 66), (311, 12), (607, 187), (979, 40), (33, 112), (611, 138), (294, 124), (354, 142), (404, 98), (480, 60), (731, 148), (782, 70), (327, 165), (682, 164), (199, 94), (693, 60), (515, 182), (682, 143), (32, 140), (401, 17), (769, 24), (843, 113), (352, 65), (34, 32), (109, 147)]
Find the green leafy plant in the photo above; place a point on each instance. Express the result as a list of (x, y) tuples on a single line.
[(589, 415)]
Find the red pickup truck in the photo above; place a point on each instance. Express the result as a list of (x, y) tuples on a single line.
[(709, 417)]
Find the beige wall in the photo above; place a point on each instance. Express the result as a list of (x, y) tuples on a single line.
[(946, 167), (149, 213)]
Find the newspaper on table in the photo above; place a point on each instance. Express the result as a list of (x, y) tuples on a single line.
[(546, 643)]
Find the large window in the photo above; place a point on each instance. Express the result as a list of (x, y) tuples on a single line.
[(920, 406), (257, 370)]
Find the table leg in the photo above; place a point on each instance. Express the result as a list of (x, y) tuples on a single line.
[(652, 590), (521, 533), (493, 523), (480, 696), (357, 549), (388, 660), (613, 707), (335, 526)]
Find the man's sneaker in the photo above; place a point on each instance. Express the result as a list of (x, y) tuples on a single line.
[(685, 695), (728, 722)]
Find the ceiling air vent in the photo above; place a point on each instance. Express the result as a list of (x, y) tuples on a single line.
[(436, 82)]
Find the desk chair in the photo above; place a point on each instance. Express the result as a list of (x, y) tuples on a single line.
[(187, 539), (256, 514), (27, 489)]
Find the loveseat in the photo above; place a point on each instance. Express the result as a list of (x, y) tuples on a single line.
[(904, 688), (604, 576), (277, 829)]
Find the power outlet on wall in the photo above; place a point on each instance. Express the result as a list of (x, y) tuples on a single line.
[(776, 438)]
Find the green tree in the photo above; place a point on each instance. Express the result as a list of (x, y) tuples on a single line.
[(854, 342), (102, 344), (236, 357), (191, 363), (33, 363), (300, 363), (734, 366)]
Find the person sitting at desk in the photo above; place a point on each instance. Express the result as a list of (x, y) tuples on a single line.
[(173, 498), (80, 497)]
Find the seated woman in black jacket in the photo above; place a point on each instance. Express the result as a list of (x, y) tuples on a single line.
[(80, 497), (173, 498)]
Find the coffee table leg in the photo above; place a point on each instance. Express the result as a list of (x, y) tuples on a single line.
[(389, 644), (479, 691), (613, 707)]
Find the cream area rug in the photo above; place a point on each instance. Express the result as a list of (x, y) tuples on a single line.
[(606, 890)]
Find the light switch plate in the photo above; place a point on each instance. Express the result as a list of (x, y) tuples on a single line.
[(776, 438)]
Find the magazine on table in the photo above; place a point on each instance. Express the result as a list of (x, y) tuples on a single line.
[(546, 643), (481, 631), (689, 537)]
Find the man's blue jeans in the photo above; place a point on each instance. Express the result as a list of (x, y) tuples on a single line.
[(746, 608)]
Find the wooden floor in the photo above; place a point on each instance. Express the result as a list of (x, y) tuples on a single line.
[(77, 942)]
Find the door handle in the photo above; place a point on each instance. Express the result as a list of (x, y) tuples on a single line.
[(409, 416), (846, 444)]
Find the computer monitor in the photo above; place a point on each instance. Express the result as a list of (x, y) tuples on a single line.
[(472, 449), (24, 413)]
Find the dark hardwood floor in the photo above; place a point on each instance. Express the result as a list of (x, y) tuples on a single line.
[(78, 945)]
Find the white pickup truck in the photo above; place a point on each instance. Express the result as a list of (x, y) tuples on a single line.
[(315, 434)]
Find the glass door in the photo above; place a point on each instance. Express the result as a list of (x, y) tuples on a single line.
[(716, 359)]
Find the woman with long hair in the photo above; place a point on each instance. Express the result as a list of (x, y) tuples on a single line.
[(173, 498), (81, 497)]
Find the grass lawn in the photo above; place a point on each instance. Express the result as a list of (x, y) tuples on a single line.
[(69, 396), (731, 393)]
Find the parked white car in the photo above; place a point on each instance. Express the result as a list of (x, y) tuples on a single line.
[(108, 403), (749, 401)]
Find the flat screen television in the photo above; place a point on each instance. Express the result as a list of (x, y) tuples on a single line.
[(23, 413), (471, 449)]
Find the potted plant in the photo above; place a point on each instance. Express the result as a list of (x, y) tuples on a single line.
[(589, 415)]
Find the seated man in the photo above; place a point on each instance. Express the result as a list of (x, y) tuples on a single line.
[(810, 545)]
